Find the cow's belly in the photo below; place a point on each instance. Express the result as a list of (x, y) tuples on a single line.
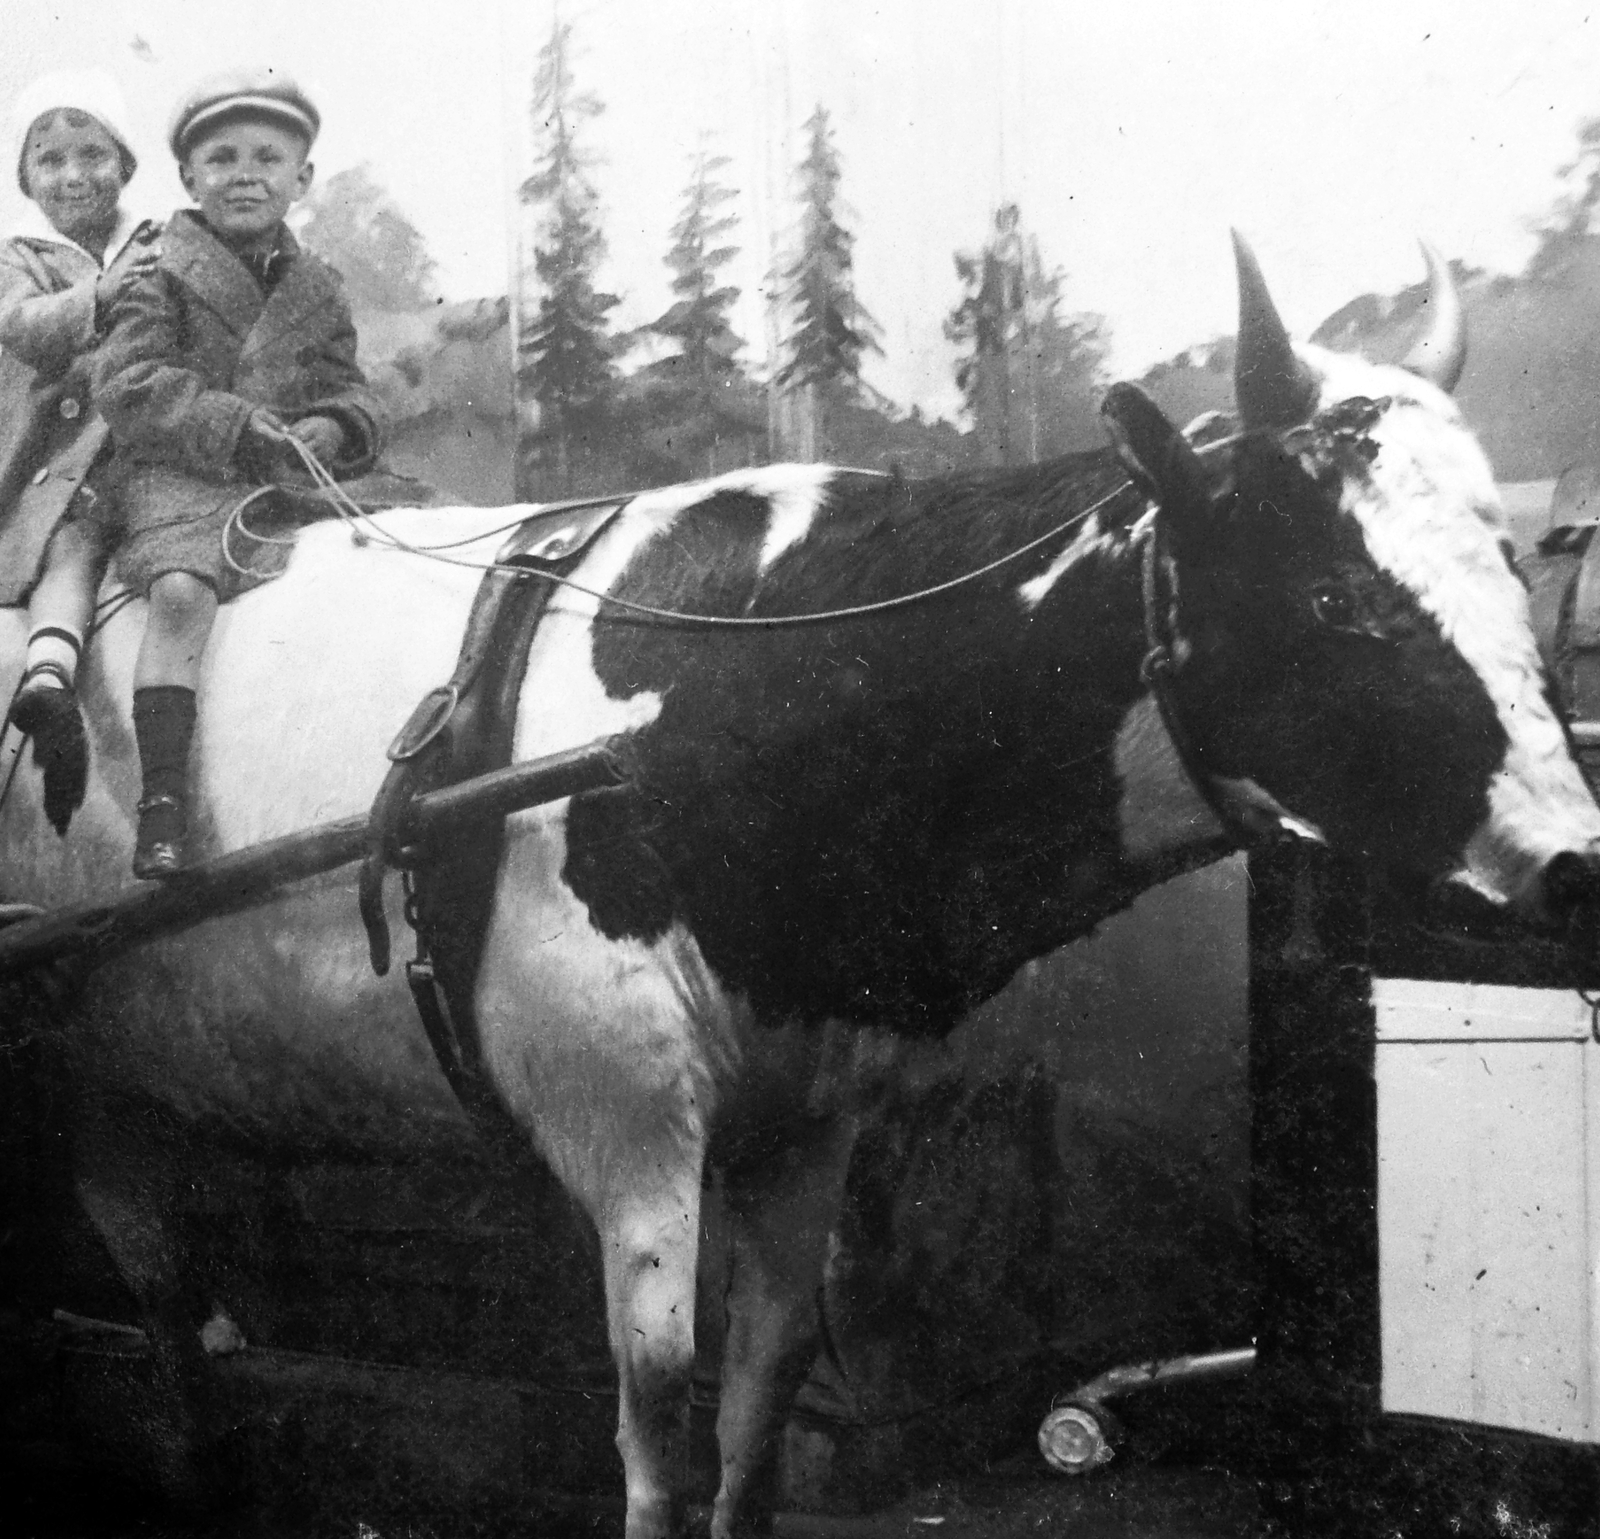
[(270, 1027)]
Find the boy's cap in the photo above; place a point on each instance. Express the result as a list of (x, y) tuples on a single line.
[(267, 93), (90, 91)]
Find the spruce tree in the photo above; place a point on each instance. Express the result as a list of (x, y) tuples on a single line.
[(566, 349), (1030, 376), (832, 329), (698, 402), (698, 317)]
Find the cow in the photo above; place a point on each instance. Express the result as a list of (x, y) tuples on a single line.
[(1033, 693)]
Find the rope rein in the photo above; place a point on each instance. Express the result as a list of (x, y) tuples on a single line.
[(365, 527)]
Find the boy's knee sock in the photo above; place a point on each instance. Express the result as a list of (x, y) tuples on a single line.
[(163, 727), (58, 647)]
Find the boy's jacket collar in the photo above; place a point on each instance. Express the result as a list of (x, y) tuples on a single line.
[(205, 265)]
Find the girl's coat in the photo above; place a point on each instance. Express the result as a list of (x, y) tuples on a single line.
[(49, 432)]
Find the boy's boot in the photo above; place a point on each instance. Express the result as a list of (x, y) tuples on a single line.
[(163, 725), (46, 708)]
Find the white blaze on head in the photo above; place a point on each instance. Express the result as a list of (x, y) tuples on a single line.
[(1431, 518)]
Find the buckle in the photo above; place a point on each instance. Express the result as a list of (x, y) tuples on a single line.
[(1158, 660), (430, 718)]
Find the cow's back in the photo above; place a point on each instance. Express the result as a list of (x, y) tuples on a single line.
[(270, 1023)]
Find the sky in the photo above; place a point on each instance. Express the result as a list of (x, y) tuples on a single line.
[(1333, 133)]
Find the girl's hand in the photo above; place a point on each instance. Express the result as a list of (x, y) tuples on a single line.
[(136, 260)]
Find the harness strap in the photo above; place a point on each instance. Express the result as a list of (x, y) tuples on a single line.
[(463, 728), (1583, 638), (424, 752), (1248, 814), (455, 1051)]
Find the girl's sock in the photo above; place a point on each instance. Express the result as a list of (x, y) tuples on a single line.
[(56, 648)]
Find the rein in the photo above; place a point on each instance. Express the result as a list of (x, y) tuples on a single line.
[(1248, 814), (366, 529)]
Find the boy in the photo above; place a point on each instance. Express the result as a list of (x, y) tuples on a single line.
[(236, 339)]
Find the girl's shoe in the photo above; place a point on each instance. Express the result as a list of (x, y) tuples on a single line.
[(46, 708), (158, 850)]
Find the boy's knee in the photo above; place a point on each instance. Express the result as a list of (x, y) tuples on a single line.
[(181, 598)]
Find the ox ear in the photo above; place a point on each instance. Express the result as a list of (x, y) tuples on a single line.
[(1157, 455)]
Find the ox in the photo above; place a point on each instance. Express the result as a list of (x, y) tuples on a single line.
[(838, 837)]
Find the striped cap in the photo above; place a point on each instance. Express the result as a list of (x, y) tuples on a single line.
[(262, 92)]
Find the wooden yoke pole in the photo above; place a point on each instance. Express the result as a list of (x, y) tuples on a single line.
[(243, 877)]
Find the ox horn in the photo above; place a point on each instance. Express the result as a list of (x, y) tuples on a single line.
[(1273, 388), (1440, 353)]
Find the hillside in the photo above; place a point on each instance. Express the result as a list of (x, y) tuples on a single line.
[(444, 375), (1533, 362)]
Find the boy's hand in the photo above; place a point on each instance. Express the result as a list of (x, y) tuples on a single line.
[(263, 446), (265, 431), (136, 260), (322, 436)]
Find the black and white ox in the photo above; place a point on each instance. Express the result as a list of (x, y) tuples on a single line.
[(840, 836)]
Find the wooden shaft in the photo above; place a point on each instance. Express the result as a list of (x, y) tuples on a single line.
[(244, 877)]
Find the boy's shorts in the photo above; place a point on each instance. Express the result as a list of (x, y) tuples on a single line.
[(173, 522)]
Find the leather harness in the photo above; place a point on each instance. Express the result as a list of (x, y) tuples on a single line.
[(462, 728), (1563, 577), (1250, 816)]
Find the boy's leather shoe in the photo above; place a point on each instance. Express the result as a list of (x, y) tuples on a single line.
[(49, 714), (158, 850)]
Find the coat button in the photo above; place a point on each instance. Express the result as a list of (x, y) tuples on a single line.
[(70, 407)]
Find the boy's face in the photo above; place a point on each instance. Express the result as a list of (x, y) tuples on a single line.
[(73, 171), (245, 174)]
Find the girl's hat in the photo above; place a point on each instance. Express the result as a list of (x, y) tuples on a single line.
[(90, 91), (267, 93)]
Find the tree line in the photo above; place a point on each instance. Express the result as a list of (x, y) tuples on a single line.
[(676, 398), (1029, 373)]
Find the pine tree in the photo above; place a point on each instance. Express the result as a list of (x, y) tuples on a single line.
[(1571, 218), (1031, 377), (698, 402), (356, 225), (989, 318), (832, 329), (566, 350), (698, 317)]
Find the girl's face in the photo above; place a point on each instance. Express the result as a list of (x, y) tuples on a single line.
[(73, 170)]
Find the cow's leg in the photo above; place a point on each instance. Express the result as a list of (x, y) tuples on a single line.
[(649, 1234), (780, 1215), (129, 1192)]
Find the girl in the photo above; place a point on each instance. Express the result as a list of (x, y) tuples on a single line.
[(60, 270)]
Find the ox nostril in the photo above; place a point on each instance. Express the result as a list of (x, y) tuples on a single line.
[(1571, 881)]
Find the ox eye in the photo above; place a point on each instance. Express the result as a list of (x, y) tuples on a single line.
[(1335, 606)]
